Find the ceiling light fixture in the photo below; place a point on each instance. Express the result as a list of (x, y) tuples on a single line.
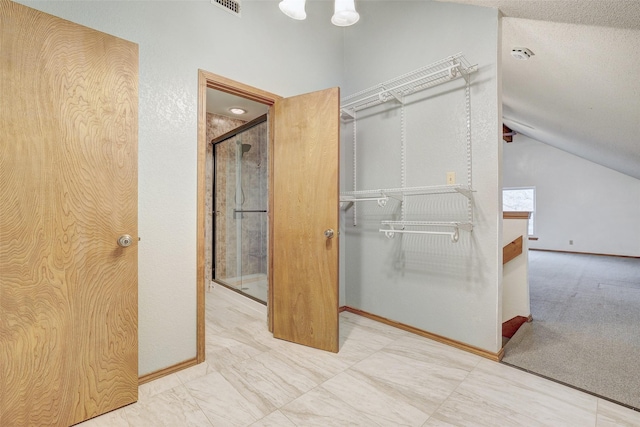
[(344, 11), (521, 53), (237, 110), (293, 9)]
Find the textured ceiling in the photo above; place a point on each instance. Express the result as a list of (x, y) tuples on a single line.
[(580, 92), (603, 13)]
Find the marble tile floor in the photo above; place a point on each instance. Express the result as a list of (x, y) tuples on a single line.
[(382, 376)]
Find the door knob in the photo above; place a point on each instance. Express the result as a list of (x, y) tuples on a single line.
[(125, 240), (328, 233)]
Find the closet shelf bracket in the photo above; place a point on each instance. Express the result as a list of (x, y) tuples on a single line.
[(465, 191), (350, 114), (385, 96)]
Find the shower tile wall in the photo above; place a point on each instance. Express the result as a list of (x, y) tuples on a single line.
[(216, 125), (254, 184)]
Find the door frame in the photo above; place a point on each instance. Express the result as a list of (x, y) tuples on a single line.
[(214, 81)]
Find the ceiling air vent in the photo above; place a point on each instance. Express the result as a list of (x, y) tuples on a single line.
[(231, 6)]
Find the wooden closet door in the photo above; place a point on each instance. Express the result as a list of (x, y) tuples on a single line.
[(305, 205), (68, 190)]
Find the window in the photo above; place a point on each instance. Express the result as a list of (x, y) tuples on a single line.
[(519, 200)]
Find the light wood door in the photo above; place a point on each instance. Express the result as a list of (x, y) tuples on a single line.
[(306, 135), (68, 190)]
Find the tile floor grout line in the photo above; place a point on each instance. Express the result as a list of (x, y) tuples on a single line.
[(285, 415), (454, 390), (198, 404), (338, 397), (349, 368)]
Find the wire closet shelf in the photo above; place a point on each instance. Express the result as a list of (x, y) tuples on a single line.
[(448, 69), (397, 193)]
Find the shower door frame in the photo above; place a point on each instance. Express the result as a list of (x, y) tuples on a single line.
[(218, 140)]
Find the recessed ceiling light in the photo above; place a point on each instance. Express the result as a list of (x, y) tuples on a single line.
[(236, 110)]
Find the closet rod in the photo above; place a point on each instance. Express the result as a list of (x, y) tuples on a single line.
[(389, 233), (382, 201)]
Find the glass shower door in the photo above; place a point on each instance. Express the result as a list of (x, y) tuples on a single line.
[(240, 221)]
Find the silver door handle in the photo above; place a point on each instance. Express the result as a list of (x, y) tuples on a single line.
[(328, 233), (125, 240)]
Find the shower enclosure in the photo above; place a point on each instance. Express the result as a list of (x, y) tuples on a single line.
[(240, 209)]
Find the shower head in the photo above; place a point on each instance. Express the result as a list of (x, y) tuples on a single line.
[(245, 148)]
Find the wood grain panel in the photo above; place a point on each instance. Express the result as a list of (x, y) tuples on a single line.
[(305, 194), (516, 215), (152, 376), (68, 174), (201, 215), (270, 225), (224, 84), (512, 250)]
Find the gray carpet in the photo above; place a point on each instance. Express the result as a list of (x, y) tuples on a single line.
[(586, 327)]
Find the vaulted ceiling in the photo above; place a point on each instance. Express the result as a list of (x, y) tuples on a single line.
[(580, 92)]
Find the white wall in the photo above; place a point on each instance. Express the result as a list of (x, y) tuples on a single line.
[(515, 273), (576, 199), (264, 49), (451, 289)]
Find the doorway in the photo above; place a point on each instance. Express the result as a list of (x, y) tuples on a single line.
[(240, 199), (210, 84), (302, 305)]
